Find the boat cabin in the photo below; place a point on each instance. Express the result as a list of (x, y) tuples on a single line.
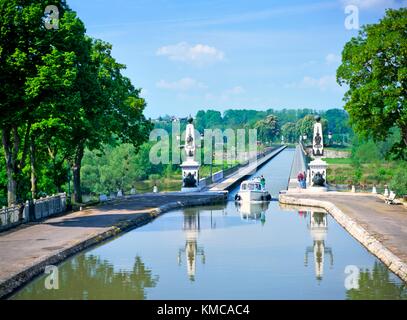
[(251, 186)]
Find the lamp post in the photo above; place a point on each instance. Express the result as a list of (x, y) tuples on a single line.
[(202, 149), (69, 182), (304, 138)]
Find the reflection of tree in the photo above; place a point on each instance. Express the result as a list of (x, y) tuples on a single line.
[(89, 277), (377, 285)]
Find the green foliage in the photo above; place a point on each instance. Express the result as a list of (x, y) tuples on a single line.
[(119, 167), (367, 152), (305, 126), (377, 284), (399, 182), (291, 122), (209, 119), (289, 132), (374, 66), (61, 92), (346, 161), (268, 128)]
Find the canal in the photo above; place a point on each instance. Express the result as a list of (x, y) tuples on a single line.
[(258, 251)]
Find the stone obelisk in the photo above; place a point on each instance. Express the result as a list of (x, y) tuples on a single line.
[(190, 167), (317, 167)]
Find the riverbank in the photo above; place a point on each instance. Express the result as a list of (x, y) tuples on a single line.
[(27, 250), (379, 227)]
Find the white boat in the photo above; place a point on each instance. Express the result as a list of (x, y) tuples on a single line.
[(252, 190)]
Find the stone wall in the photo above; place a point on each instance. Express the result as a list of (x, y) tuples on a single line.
[(331, 153)]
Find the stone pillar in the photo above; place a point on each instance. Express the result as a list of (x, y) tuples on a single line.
[(318, 167), (190, 167), (318, 139)]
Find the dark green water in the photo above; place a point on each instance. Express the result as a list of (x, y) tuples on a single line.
[(227, 252)]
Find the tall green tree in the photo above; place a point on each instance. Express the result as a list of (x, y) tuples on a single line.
[(110, 110), (60, 92), (374, 66), (289, 131), (268, 128), (30, 53)]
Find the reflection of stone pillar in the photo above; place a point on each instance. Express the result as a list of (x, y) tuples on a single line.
[(318, 226), (191, 227), (191, 249)]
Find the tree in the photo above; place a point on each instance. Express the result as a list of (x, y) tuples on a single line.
[(110, 109), (209, 119), (268, 128), (374, 66), (35, 63), (305, 126), (60, 92), (289, 132)]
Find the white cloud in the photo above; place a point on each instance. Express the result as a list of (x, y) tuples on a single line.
[(332, 58), (198, 54), (235, 90), (225, 95), (323, 83), (375, 4), (183, 84)]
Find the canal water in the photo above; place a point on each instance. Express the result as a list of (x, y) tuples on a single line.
[(258, 251)]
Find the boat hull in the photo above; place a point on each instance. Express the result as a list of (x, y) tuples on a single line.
[(252, 196)]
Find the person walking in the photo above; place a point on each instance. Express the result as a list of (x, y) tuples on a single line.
[(300, 178), (304, 181)]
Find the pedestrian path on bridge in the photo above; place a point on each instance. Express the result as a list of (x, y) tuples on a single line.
[(299, 165)]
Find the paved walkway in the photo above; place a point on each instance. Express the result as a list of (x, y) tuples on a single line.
[(25, 251), (386, 223), (299, 165)]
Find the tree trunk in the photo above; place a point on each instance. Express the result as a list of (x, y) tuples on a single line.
[(77, 174), (11, 179), (33, 168), (404, 135)]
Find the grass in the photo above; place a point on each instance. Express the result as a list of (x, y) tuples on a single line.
[(341, 161)]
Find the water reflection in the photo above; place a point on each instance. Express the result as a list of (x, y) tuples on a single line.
[(378, 284), (88, 277), (191, 250), (214, 247), (318, 226), (253, 211)]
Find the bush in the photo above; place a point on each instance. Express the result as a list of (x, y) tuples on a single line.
[(399, 182)]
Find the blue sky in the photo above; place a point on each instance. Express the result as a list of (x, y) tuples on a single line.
[(189, 55)]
